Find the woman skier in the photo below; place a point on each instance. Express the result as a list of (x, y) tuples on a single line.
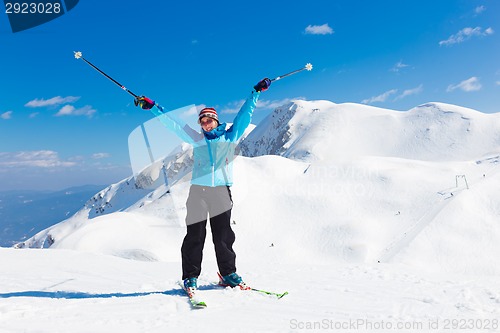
[(210, 191)]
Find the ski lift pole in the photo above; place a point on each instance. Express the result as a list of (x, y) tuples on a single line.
[(307, 67), (78, 55)]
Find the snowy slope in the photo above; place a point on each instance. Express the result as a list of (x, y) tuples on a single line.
[(322, 130), (391, 214)]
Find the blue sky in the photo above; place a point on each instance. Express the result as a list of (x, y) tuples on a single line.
[(62, 124)]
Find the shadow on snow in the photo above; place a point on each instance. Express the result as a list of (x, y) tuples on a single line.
[(83, 295)]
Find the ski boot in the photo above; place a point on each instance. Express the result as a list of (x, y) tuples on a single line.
[(232, 280), (190, 286)]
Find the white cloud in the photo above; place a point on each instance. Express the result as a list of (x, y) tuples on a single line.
[(45, 169), (409, 92), (398, 66), (471, 84), (273, 104), (466, 34), (98, 156), (188, 114), (380, 98), (34, 114), (70, 110), (479, 9), (498, 83), (36, 103), (234, 107), (6, 115), (319, 30), (38, 159)]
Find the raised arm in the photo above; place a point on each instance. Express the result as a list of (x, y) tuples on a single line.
[(180, 128), (244, 116)]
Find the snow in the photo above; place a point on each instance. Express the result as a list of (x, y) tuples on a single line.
[(369, 218), (72, 291)]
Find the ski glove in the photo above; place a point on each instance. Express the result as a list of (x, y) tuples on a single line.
[(144, 102), (263, 85)]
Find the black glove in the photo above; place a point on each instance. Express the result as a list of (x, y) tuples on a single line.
[(144, 102), (263, 85)]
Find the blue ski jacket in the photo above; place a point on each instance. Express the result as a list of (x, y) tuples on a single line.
[(213, 152)]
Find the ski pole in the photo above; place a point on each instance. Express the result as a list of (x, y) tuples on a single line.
[(78, 55), (308, 67)]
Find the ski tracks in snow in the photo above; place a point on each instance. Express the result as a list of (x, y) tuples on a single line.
[(445, 197)]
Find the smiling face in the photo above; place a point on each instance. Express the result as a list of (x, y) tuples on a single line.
[(208, 123)]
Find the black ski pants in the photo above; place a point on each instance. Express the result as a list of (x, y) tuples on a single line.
[(215, 203)]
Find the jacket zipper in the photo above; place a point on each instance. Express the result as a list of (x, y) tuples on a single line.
[(211, 162)]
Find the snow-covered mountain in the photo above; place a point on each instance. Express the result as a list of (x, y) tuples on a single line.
[(367, 202), (322, 130), (356, 182)]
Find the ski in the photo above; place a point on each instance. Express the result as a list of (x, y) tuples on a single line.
[(193, 300), (245, 287), (197, 304), (278, 295)]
